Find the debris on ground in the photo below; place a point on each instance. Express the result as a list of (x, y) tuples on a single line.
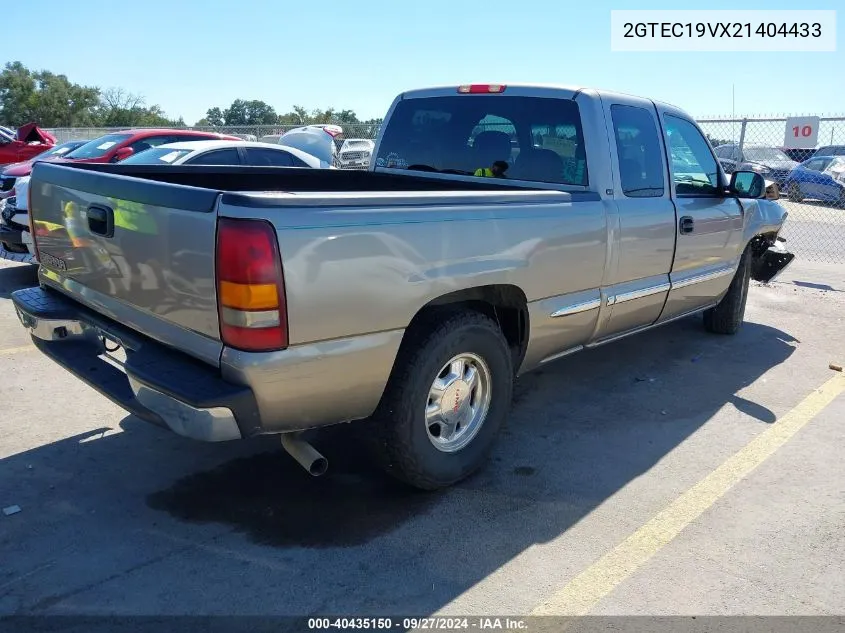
[(10, 510), (835, 367)]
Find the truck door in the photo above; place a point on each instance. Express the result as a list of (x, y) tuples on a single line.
[(709, 226), (637, 282)]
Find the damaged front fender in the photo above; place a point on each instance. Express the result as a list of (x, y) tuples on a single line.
[(769, 261)]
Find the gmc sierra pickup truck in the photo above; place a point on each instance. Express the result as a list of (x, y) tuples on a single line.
[(498, 228)]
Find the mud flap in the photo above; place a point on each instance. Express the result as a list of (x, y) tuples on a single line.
[(766, 266)]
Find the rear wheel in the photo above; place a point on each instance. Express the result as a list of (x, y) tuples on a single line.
[(726, 317), (446, 401), (793, 191)]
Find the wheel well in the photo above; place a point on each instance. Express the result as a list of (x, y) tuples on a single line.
[(504, 303)]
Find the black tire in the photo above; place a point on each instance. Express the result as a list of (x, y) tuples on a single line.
[(398, 430), (793, 192), (726, 317)]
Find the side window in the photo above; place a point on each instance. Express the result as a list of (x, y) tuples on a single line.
[(228, 156), (267, 157), (699, 175), (735, 153), (151, 141), (724, 151), (638, 147), (815, 165)]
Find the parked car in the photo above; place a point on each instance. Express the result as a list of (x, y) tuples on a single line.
[(226, 153), (410, 295), (820, 177), (117, 146), (830, 150), (356, 153), (798, 154), (28, 142), (10, 173), (769, 162), (15, 240), (317, 140), (246, 137)]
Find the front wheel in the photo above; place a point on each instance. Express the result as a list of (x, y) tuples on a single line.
[(793, 192), (726, 317), (446, 401)]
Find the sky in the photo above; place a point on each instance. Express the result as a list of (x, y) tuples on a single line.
[(188, 55)]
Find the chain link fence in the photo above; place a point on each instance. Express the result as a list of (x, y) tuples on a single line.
[(812, 180)]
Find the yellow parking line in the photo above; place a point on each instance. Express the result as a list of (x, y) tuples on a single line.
[(589, 587), (16, 350)]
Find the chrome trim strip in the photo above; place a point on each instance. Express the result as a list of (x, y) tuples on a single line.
[(697, 279), (565, 352), (643, 292), (576, 308)]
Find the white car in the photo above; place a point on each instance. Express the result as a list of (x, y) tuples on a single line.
[(214, 152), (356, 153), (15, 240)]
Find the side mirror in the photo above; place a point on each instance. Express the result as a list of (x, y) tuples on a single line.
[(748, 184), (122, 154)]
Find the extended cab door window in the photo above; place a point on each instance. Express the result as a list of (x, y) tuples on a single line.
[(638, 149)]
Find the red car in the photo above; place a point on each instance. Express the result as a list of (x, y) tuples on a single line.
[(12, 172), (28, 142), (114, 147)]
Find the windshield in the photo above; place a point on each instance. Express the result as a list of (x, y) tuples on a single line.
[(98, 147), (764, 153), (522, 138), (156, 156), (61, 150)]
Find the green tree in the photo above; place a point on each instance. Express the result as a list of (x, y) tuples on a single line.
[(48, 99), (119, 108), (253, 112), (214, 116)]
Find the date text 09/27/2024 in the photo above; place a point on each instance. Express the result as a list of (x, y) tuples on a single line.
[(721, 29), (419, 624)]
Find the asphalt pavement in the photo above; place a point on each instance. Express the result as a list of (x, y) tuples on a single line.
[(674, 472)]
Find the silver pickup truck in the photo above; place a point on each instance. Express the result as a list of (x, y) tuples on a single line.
[(499, 228)]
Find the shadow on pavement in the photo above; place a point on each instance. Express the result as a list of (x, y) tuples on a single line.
[(125, 521), (15, 277)]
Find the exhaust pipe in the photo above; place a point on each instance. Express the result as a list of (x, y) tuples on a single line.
[(305, 454)]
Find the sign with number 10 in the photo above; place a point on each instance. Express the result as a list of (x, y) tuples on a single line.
[(802, 132)]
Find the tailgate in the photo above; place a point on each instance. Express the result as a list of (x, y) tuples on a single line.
[(138, 251)]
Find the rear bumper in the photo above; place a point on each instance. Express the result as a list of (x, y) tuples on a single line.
[(155, 383), (302, 387)]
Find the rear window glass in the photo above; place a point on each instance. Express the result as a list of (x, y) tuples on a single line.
[(521, 138)]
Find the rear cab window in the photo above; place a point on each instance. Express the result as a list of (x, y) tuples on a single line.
[(534, 139)]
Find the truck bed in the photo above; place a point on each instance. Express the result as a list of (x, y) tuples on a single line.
[(245, 178)]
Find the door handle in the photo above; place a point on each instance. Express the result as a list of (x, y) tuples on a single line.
[(687, 224), (100, 220)]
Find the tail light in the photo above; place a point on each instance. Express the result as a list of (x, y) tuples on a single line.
[(481, 89), (250, 286), (332, 130)]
